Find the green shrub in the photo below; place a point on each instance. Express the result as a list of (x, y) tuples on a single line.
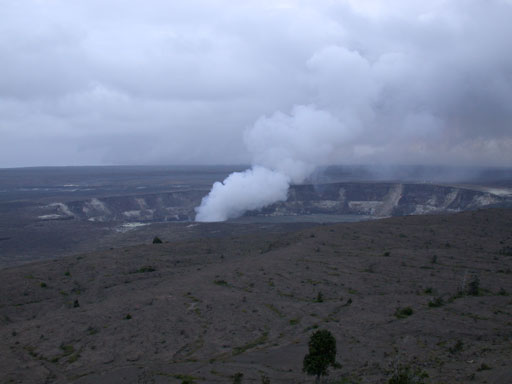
[(483, 367), (156, 240), (457, 347), (402, 313), (237, 378), (185, 379), (474, 286), (144, 269), (507, 251), (405, 375), (437, 302)]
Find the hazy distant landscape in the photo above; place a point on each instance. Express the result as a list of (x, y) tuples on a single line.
[(50, 212)]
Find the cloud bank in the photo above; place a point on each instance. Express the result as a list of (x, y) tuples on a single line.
[(129, 82)]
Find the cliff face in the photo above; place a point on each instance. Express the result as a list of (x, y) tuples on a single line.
[(368, 199), (382, 199), (171, 206)]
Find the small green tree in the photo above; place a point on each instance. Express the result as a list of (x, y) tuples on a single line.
[(322, 353)]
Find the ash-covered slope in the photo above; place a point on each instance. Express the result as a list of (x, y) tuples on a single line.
[(204, 310)]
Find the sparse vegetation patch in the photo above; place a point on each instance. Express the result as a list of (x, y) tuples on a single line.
[(402, 313), (145, 269), (436, 302), (407, 375), (252, 344), (507, 251)]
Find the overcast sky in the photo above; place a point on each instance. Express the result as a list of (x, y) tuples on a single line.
[(193, 82)]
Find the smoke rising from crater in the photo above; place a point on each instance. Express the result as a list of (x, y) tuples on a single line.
[(243, 191), (433, 89), (286, 149)]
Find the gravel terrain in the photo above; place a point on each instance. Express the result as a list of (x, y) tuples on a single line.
[(427, 292)]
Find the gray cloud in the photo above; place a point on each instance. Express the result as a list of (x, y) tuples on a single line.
[(94, 82)]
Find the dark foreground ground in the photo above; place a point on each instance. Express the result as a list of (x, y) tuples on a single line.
[(204, 310)]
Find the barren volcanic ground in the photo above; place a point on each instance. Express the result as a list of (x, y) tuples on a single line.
[(203, 310)]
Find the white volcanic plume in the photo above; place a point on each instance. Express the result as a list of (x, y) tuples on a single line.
[(242, 191), (286, 149), (430, 84)]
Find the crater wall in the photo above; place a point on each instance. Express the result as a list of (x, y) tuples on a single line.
[(368, 199)]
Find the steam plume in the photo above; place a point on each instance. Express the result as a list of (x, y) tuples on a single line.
[(285, 149), (430, 87), (242, 191)]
